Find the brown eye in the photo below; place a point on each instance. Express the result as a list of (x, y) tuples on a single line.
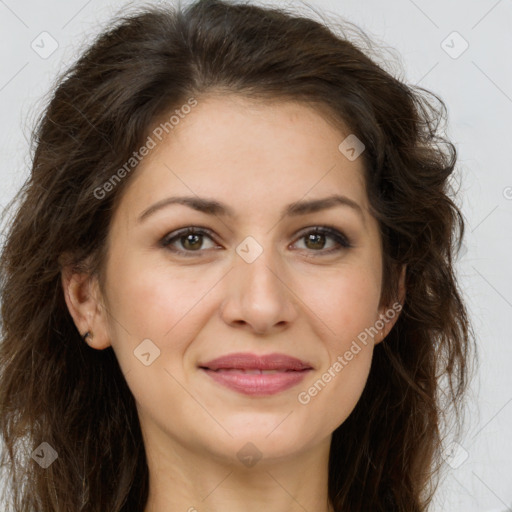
[(316, 240), (189, 240), (192, 241)]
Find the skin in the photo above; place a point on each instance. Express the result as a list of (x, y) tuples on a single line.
[(294, 298)]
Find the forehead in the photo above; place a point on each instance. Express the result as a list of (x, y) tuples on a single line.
[(248, 153)]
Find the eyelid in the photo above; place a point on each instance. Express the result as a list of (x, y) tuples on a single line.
[(166, 240), (342, 240), (328, 230)]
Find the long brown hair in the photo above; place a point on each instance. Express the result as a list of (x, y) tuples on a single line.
[(55, 389)]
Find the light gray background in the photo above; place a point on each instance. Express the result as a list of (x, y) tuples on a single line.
[(477, 88)]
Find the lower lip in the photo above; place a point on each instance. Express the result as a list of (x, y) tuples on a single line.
[(257, 384)]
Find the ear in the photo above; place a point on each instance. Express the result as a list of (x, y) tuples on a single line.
[(390, 313), (85, 305)]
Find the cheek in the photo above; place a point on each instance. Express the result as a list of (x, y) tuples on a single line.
[(346, 304), (348, 309), (150, 302), (153, 319), (147, 297)]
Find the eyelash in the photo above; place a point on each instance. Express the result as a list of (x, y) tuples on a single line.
[(339, 237)]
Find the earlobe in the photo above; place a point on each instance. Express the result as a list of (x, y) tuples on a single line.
[(391, 313), (82, 296)]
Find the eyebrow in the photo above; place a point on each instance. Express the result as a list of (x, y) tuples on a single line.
[(213, 207)]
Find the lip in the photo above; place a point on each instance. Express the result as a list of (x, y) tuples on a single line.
[(256, 375)]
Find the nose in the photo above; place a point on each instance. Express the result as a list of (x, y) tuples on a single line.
[(259, 296)]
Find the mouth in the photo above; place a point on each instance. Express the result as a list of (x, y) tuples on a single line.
[(255, 375)]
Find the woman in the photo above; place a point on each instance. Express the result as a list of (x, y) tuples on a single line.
[(229, 282)]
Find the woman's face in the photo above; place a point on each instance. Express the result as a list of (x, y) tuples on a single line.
[(254, 280)]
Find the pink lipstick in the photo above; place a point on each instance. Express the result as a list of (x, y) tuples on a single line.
[(255, 375)]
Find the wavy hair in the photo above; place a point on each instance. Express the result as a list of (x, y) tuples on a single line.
[(54, 388)]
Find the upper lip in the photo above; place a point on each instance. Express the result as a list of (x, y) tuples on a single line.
[(247, 361)]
